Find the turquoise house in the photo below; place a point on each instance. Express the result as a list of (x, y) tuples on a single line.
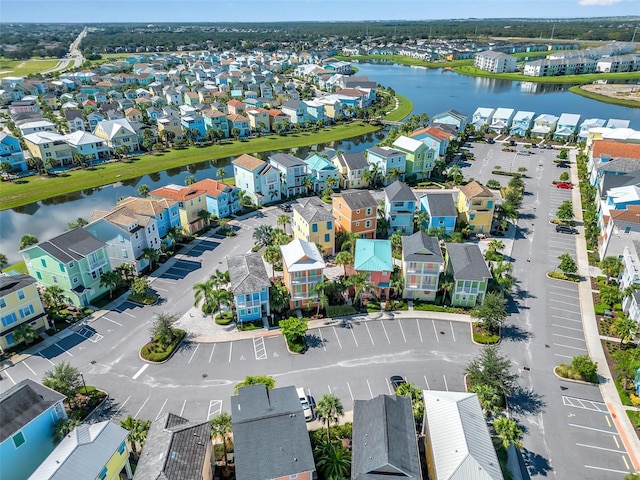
[(320, 170), (373, 257), (250, 286)]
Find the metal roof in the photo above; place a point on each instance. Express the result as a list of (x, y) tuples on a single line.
[(373, 255), (300, 256)]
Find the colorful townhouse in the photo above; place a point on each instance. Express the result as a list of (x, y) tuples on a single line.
[(293, 173), (313, 223), (482, 116), (11, 152), (588, 124), (216, 120), (303, 268), (476, 204), (20, 304), (50, 147), (373, 257), (74, 261), (465, 263), (296, 110), (170, 125), (278, 120), (543, 125), (238, 125), (522, 123), (223, 199), (257, 178), (249, 286), (194, 123), (190, 202), (89, 146), (441, 209), (502, 120), (259, 119), (399, 207), (351, 167), (30, 412), (434, 138), (419, 158), (118, 132), (355, 212), (451, 117), (97, 450), (320, 170), (391, 163), (165, 212), (422, 263), (567, 126)]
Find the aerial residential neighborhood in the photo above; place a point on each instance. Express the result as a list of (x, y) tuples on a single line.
[(359, 288)]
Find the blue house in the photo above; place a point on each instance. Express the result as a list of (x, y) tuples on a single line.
[(522, 122), (399, 207), (165, 211), (320, 170), (11, 152), (29, 414), (451, 117), (250, 286), (387, 160), (441, 210), (222, 199), (293, 172), (195, 122), (567, 126)]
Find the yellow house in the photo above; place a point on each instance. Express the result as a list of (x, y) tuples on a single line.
[(50, 147), (19, 305), (313, 223), (116, 133), (191, 201), (475, 206), (92, 451)]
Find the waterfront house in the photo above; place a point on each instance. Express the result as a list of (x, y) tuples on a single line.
[(296, 110), (389, 162), (50, 147), (216, 120), (351, 167), (249, 286), (435, 138), (303, 268), (117, 133), (20, 304), (278, 120), (272, 423), (170, 129), (422, 262), (441, 208), (259, 119), (293, 172), (259, 180), (166, 213), (74, 261), (588, 124), (465, 263), (399, 207), (420, 159), (11, 152), (451, 117), (567, 126), (482, 116), (620, 229), (617, 123), (502, 120), (190, 202), (373, 257), (222, 199), (91, 450), (312, 222), (543, 125), (476, 204), (89, 146), (194, 123), (522, 122), (315, 111), (238, 126), (355, 212), (30, 412), (320, 169), (494, 62)]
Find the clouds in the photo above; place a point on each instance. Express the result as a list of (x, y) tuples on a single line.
[(598, 3)]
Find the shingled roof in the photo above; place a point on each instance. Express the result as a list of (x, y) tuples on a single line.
[(420, 247), (399, 192), (247, 274), (475, 189), (75, 244), (467, 262)]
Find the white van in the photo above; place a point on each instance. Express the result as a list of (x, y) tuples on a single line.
[(306, 407)]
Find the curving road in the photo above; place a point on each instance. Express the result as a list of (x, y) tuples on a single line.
[(75, 56)]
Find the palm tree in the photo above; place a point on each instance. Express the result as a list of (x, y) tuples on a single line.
[(110, 280), (421, 220), (152, 255), (25, 333), (446, 285), (308, 184), (27, 240), (488, 398), (53, 296), (283, 220), (495, 245), (507, 430), (3, 260), (329, 410), (625, 328), (272, 255), (348, 242), (263, 235), (221, 173), (612, 267), (235, 133), (205, 216), (221, 427), (334, 460), (344, 259), (143, 190), (63, 378), (138, 430), (64, 427), (204, 291), (331, 182), (278, 297), (320, 289), (190, 180), (455, 174)]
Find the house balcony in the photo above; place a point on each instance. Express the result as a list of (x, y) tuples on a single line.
[(249, 304), (313, 279), (99, 263), (304, 296)]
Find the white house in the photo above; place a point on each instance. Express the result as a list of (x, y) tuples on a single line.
[(544, 124), (567, 126), (502, 119), (482, 116)]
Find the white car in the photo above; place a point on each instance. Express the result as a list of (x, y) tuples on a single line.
[(306, 406)]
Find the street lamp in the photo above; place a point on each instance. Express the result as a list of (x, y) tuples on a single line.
[(84, 385)]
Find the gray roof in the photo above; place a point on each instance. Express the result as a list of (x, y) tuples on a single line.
[(287, 160), (269, 433), (441, 204), (619, 165), (420, 247), (175, 449), (75, 244), (291, 104), (453, 113), (615, 180), (22, 403), (399, 192), (467, 262), (385, 152), (247, 273), (358, 199), (13, 283), (72, 114), (384, 439), (353, 161), (313, 210)]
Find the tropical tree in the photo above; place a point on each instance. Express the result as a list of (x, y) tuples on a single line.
[(347, 241), (162, 329), (344, 259), (272, 255), (455, 174), (3, 260), (507, 430), (143, 190), (333, 460), (283, 220), (205, 216), (612, 267), (567, 264), (610, 295), (27, 240), (138, 430), (190, 180), (151, 255), (329, 409), (221, 173), (320, 289), (293, 329), (263, 235), (495, 245), (421, 220), (417, 401), (53, 297), (235, 133), (278, 297), (140, 286), (625, 328), (25, 333), (492, 312), (65, 379), (565, 211), (446, 286), (249, 380), (307, 183), (331, 182), (396, 244), (489, 399), (221, 427), (204, 291), (64, 427), (79, 222), (493, 369), (110, 280)]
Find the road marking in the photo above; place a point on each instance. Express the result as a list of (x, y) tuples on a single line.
[(112, 321), (608, 421), (63, 350), (599, 448), (607, 469), (230, 350), (184, 404), (593, 428), (369, 331), (126, 313), (324, 347), (140, 409), (350, 392), (452, 333), (568, 328), (563, 310), (567, 336), (155, 287), (385, 333), (567, 346), (337, 338), (626, 464), (434, 330), (354, 336), (120, 407), (370, 391), (569, 289), (402, 330), (139, 372), (567, 319), (25, 364), (562, 295), (212, 350), (329, 388), (615, 439), (585, 404), (7, 374), (161, 408), (419, 331), (563, 356), (445, 382), (564, 302), (193, 354), (46, 359), (215, 408), (259, 348), (427, 382)]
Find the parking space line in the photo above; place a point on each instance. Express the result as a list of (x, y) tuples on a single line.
[(140, 409), (563, 356), (402, 330), (435, 331), (215, 408), (193, 354), (419, 331), (445, 382), (626, 464), (329, 388), (565, 288), (354, 336), (427, 382), (212, 350), (608, 421), (113, 321), (126, 313), (564, 302), (567, 336), (46, 358), (563, 310), (71, 355), (9, 376), (584, 404), (607, 469), (593, 428), (370, 391), (350, 392), (568, 328), (25, 364), (184, 404), (259, 348), (599, 448), (567, 319), (562, 295), (385, 333), (452, 332), (337, 338), (120, 407), (139, 372), (324, 347), (161, 289), (388, 386), (230, 350), (568, 346), (161, 408), (369, 332)]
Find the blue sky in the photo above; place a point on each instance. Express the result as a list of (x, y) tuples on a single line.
[(90, 11)]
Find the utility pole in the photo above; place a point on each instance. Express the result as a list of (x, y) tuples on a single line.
[(553, 30), (634, 35)]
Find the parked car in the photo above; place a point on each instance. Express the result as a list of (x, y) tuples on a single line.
[(396, 381), (512, 143), (534, 145), (562, 165), (285, 208), (564, 185), (523, 152), (306, 405), (566, 229), (491, 141)]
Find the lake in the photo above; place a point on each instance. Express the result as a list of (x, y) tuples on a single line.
[(431, 91)]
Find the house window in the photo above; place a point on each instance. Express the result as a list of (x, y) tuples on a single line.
[(329, 225), (627, 230), (94, 275), (357, 224), (18, 439), (26, 311), (369, 211), (21, 294), (122, 448), (75, 280), (9, 339), (120, 238), (54, 278), (103, 474), (43, 262), (327, 237), (70, 264), (124, 253), (9, 319), (38, 275), (3, 303), (314, 228), (367, 223)]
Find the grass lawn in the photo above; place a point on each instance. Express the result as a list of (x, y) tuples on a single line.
[(36, 188), (402, 60), (21, 68), (604, 98), (405, 107), (19, 266), (566, 79)]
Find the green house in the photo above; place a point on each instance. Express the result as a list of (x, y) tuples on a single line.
[(465, 263), (420, 158), (74, 261)]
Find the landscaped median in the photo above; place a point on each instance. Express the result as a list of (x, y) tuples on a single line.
[(164, 339), (582, 369)]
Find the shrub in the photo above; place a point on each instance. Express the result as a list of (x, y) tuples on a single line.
[(585, 367), (495, 184), (429, 307), (224, 318), (373, 306), (256, 248), (339, 310), (153, 352)]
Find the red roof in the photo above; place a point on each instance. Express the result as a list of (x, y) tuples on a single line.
[(615, 149), (432, 131), (212, 187), (177, 193), (235, 103), (630, 215)]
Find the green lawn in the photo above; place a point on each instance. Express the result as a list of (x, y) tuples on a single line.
[(33, 189), (19, 266), (402, 60), (405, 107), (566, 79), (603, 98), (19, 68)]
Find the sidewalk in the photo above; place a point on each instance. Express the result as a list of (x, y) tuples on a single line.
[(592, 336)]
